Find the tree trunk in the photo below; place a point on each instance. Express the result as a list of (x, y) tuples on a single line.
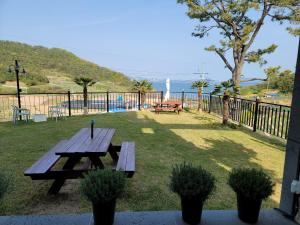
[(226, 98), (200, 99), (236, 76), (143, 96), (85, 100)]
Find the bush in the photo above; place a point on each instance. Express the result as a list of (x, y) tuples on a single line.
[(4, 184), (251, 183), (190, 181), (102, 186)]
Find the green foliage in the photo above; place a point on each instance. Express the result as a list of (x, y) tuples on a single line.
[(238, 23), (37, 79), (239, 18), (200, 84), (103, 186), (225, 87), (252, 89), (4, 184), (232, 126), (251, 183), (190, 181), (257, 56), (285, 82), (84, 81), (143, 86), (277, 79), (44, 89), (39, 62), (280, 80)]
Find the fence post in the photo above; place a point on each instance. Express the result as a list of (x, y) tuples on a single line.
[(182, 99), (161, 96), (69, 102), (255, 114), (139, 99), (107, 101), (209, 106)]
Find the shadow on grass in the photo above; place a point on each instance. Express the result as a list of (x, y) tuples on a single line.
[(168, 143)]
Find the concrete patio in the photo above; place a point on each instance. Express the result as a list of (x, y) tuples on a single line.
[(210, 217)]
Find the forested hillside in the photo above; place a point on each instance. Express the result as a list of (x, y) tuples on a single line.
[(54, 69)]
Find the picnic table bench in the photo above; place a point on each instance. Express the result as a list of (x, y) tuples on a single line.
[(81, 145), (167, 106)]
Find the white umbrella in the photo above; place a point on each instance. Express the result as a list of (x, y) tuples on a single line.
[(167, 95)]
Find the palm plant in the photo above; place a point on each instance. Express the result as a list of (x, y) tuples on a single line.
[(226, 87), (200, 85), (142, 86), (84, 82)]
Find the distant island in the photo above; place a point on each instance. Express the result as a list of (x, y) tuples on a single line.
[(54, 70)]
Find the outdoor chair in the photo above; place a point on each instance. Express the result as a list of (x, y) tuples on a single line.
[(20, 113), (56, 111)]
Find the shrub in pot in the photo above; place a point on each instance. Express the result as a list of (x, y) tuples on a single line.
[(251, 187), (194, 185), (102, 188)]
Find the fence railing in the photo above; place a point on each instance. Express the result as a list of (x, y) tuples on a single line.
[(270, 118)]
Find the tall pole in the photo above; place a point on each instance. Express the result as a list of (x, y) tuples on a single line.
[(289, 201), (18, 83)]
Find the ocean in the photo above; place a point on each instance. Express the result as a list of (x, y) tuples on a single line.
[(185, 85), (178, 85)]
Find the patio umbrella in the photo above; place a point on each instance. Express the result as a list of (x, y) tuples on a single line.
[(167, 95)]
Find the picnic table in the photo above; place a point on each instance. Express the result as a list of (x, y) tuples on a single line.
[(168, 106), (82, 146)]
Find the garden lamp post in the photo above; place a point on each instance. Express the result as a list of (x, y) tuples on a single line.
[(17, 68)]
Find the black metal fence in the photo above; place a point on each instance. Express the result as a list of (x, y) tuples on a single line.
[(270, 118)]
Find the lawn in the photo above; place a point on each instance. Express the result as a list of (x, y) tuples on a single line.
[(161, 141)]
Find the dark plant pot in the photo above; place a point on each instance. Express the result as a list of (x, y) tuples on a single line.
[(191, 210), (248, 209), (104, 213)]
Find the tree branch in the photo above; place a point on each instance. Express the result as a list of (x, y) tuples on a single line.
[(224, 59), (228, 34), (259, 23), (229, 23)]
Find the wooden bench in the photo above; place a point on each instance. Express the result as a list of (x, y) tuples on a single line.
[(126, 160), (43, 168), (167, 107), (45, 163)]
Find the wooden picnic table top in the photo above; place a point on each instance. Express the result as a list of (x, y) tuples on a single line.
[(168, 103), (82, 143)]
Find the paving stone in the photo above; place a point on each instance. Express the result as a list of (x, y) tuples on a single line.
[(209, 217)]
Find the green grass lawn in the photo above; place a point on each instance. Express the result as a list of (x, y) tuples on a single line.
[(161, 141)]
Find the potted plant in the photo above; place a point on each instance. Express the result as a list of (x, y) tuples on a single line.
[(102, 188), (251, 187), (194, 185)]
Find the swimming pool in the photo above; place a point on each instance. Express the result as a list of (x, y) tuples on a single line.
[(101, 105)]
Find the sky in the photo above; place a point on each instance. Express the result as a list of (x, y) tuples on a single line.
[(143, 39)]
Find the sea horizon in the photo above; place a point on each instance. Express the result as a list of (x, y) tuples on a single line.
[(186, 85)]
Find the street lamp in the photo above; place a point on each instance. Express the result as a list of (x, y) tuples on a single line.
[(17, 68)]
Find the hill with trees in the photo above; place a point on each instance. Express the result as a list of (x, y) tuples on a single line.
[(279, 81), (54, 69)]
